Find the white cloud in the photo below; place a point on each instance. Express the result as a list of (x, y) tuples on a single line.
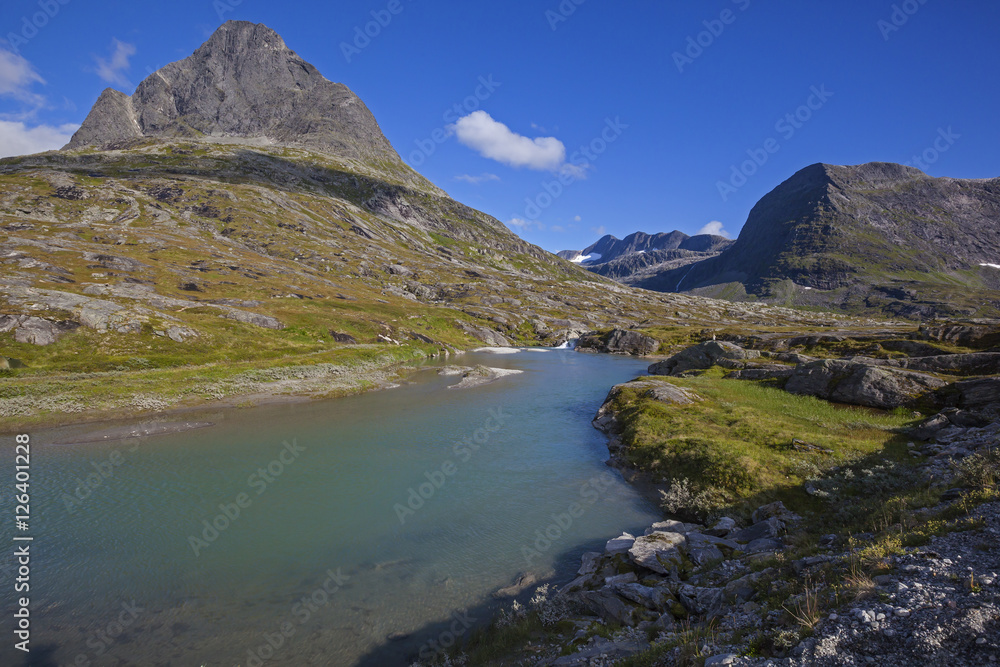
[(494, 140), (476, 180), (523, 225), (113, 69), (18, 139), (715, 229), (16, 78), (577, 219)]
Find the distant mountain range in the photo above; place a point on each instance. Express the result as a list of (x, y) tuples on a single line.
[(874, 237), (642, 256)]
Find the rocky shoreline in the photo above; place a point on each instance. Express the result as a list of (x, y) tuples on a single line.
[(726, 593)]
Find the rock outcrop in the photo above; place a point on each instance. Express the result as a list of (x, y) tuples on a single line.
[(705, 355), (857, 383), (618, 341)]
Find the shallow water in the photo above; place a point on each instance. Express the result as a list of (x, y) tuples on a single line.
[(387, 514)]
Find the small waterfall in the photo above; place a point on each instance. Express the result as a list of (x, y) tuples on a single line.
[(568, 345)]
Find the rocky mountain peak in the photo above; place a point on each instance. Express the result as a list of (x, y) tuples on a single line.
[(243, 84)]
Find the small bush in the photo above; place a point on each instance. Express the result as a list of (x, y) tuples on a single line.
[(981, 470)]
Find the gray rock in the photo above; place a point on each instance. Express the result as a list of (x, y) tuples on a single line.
[(657, 599), (620, 544), (658, 391), (722, 527), (659, 552), (607, 605), (36, 331), (700, 600), (763, 544), (721, 660), (672, 526), (971, 394), (772, 528), (619, 341), (181, 334), (775, 509), (859, 383), (257, 319), (702, 356), (589, 563), (621, 579)]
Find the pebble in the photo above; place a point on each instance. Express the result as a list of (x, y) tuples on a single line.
[(980, 641)]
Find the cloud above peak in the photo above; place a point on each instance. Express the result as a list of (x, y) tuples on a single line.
[(714, 228), (494, 140), (113, 69)]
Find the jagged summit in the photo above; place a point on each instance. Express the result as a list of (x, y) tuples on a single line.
[(244, 83)]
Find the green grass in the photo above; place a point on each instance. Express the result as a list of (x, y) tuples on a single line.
[(737, 442)]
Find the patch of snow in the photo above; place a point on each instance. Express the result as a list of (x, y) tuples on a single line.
[(583, 259), (640, 252), (807, 288), (498, 350), (992, 266)]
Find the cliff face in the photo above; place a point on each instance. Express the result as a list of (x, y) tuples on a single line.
[(878, 235)]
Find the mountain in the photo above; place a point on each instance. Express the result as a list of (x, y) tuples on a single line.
[(640, 256), (241, 208), (875, 237), (245, 86)]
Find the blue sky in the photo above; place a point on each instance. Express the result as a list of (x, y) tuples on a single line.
[(683, 108)]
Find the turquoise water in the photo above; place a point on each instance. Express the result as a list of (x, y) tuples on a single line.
[(366, 526)]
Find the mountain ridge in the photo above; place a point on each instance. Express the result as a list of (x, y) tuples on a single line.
[(878, 236)]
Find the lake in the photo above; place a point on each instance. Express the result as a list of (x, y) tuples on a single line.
[(352, 531)]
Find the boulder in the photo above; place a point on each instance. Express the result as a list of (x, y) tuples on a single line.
[(619, 341), (776, 509), (620, 544), (763, 544), (659, 551), (858, 383), (699, 599), (256, 319), (703, 356), (970, 394), (657, 599), (181, 334), (343, 338), (621, 579), (37, 331), (589, 563), (771, 528), (672, 526), (722, 527), (658, 391), (607, 605)]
